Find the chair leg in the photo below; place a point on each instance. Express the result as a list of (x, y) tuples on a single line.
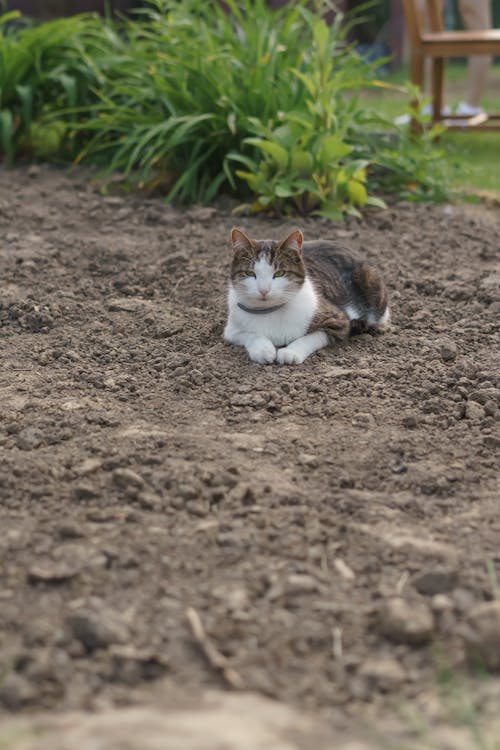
[(437, 88)]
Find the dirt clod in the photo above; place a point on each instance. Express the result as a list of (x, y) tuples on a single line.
[(448, 350), (16, 692), (437, 581), (97, 628), (383, 673), (482, 638), (474, 411), (406, 622)]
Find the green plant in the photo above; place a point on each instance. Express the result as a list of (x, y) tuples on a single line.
[(194, 100), (43, 69), (307, 163), (408, 161), (179, 94)]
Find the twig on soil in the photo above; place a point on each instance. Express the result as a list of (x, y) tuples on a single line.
[(178, 283), (214, 657), (337, 643), (402, 582)]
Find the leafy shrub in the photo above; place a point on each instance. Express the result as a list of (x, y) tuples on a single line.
[(43, 69), (406, 160), (307, 163), (197, 100), (180, 94)]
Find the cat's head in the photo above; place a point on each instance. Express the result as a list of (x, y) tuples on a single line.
[(266, 272)]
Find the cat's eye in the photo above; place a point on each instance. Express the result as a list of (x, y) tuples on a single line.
[(249, 273), (278, 273)]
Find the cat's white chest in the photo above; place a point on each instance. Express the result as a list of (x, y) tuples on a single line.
[(282, 326)]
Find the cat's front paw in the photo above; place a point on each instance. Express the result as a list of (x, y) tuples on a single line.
[(263, 352), (289, 356)]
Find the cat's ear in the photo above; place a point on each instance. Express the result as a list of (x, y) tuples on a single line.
[(293, 242), (240, 241)]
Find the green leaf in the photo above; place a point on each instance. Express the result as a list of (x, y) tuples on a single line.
[(283, 190), (330, 212), (251, 179), (278, 153), (357, 193), (25, 94), (241, 159), (6, 134), (321, 33), (372, 200), (333, 149), (11, 16), (265, 200), (307, 186), (302, 162)]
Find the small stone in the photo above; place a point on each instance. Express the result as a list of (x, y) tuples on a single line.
[(383, 672), (463, 599), (403, 621), (249, 399), (50, 572), (88, 466), (243, 494), (474, 411), (188, 492), (482, 395), (442, 603), (410, 421), (343, 569), (29, 438), (16, 691), (83, 492), (364, 419), (132, 666), (491, 441), (126, 478), (309, 459), (69, 530), (196, 508), (490, 409), (149, 501), (37, 633), (98, 629), (448, 350), (482, 636), (437, 581)]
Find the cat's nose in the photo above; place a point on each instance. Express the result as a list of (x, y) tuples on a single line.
[(263, 291)]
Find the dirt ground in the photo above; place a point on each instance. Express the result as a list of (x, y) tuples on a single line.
[(175, 515)]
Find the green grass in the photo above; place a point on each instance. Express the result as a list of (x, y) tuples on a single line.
[(474, 154)]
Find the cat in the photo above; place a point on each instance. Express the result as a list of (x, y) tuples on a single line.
[(288, 299)]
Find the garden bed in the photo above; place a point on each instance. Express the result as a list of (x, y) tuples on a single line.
[(150, 469)]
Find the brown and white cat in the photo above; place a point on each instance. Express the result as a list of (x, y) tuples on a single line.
[(288, 299)]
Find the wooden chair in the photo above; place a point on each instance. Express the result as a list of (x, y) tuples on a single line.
[(439, 45)]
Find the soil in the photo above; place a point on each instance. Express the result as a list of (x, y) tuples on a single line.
[(173, 514)]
